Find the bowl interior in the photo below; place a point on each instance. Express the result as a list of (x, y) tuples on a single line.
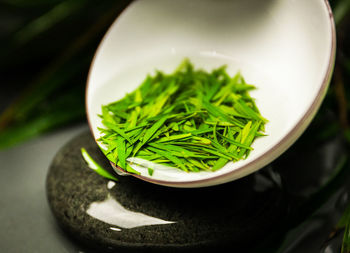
[(284, 47)]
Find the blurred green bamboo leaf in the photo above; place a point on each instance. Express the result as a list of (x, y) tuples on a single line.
[(26, 3), (340, 10), (37, 125), (47, 20), (344, 223), (64, 76)]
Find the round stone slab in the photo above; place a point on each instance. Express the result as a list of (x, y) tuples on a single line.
[(131, 215)]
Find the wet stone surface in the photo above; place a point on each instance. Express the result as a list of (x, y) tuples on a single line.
[(132, 216)]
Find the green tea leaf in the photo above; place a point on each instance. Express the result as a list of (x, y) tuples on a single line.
[(95, 166), (191, 119)]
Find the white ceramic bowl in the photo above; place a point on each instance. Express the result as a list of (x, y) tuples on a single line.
[(286, 48)]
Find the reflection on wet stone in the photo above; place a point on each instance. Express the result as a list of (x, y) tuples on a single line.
[(112, 212)]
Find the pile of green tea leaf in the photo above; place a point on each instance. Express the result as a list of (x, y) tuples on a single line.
[(191, 119)]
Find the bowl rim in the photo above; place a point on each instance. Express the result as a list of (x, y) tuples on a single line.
[(264, 158)]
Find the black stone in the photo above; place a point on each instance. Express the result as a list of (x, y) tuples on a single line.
[(237, 215)]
